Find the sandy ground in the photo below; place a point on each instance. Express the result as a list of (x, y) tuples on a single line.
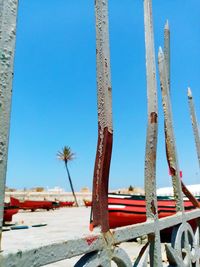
[(62, 224)]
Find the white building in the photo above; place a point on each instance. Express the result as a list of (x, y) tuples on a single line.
[(168, 191)]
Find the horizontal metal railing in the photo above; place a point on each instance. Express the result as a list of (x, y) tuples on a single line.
[(39, 256)]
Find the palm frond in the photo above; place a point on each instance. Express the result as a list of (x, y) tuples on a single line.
[(66, 154)]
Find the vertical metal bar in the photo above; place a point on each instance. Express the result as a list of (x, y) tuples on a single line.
[(167, 62), (194, 123), (7, 48), (105, 128), (1, 15), (167, 50), (151, 139), (152, 129), (169, 134)]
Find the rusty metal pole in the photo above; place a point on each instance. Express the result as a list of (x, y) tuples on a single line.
[(8, 15), (169, 133), (194, 123), (105, 128), (151, 139)]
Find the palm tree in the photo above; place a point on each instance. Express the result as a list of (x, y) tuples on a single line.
[(66, 155)]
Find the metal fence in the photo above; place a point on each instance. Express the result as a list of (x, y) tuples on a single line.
[(101, 248)]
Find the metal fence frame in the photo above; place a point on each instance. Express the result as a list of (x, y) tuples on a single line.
[(102, 248)]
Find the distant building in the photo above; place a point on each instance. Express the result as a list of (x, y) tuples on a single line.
[(56, 189), (130, 190), (168, 191), (85, 190), (37, 189), (7, 189)]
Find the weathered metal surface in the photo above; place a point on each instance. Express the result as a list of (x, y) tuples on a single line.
[(167, 63), (194, 123), (151, 141), (105, 131), (1, 16), (51, 253), (130, 232), (185, 248), (169, 134), (102, 249), (189, 195), (8, 16), (39, 256), (152, 132), (178, 219), (167, 50), (104, 258), (142, 258)]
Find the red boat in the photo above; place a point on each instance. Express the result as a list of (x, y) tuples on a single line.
[(66, 204), (33, 204), (88, 203), (127, 211), (9, 211)]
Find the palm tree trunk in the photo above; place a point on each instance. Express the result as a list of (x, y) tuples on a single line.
[(71, 185)]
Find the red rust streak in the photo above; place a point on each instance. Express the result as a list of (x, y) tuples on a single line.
[(90, 239), (153, 208), (153, 117), (100, 180)]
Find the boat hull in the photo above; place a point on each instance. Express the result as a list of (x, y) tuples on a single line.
[(88, 203), (33, 204), (63, 204), (9, 211), (129, 211)]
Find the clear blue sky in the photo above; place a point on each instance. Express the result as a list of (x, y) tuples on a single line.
[(54, 99)]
